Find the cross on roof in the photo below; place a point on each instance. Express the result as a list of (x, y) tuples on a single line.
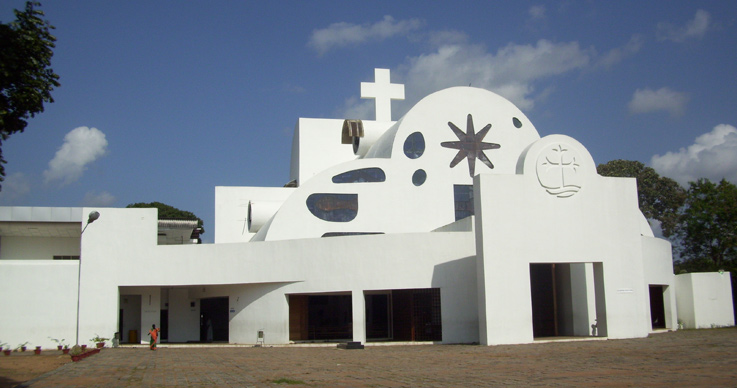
[(383, 92)]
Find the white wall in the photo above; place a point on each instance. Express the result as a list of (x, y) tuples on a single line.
[(316, 145), (705, 300), (231, 210), (39, 300), (131, 306), (150, 310), (184, 316), (41, 214), (37, 248), (259, 307), (519, 222), (658, 265), (258, 276)]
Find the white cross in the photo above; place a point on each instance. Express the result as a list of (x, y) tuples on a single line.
[(383, 92)]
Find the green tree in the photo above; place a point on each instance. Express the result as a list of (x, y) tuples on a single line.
[(708, 227), (169, 212), (659, 197), (26, 80)]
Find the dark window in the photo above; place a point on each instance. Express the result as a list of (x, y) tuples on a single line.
[(463, 196), (333, 207), (516, 122), (372, 174), (418, 178), (66, 257), (414, 146), (340, 234)]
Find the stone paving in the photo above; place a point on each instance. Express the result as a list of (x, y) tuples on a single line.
[(685, 358)]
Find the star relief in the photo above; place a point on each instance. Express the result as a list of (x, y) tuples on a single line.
[(470, 145)]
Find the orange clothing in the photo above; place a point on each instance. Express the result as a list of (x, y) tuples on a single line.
[(154, 333)]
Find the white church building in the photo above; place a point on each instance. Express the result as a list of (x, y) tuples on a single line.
[(457, 223)]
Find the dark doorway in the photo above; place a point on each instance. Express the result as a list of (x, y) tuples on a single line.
[(120, 326), (542, 285), (164, 322), (214, 320), (320, 317), (377, 317), (417, 315), (657, 307)]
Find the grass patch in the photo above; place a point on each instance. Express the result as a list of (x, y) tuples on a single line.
[(285, 380)]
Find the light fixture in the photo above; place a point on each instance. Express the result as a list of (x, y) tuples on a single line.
[(94, 215)]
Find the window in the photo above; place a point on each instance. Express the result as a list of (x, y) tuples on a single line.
[(463, 196), (414, 146), (516, 122), (372, 174), (66, 257), (339, 234), (418, 178), (333, 207)]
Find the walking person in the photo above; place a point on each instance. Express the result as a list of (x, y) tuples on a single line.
[(154, 333)]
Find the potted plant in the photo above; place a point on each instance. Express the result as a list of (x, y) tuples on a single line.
[(5, 350), (65, 350), (76, 353), (59, 343), (100, 341), (37, 351), (21, 347)]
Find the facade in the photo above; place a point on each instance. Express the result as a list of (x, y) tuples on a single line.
[(457, 223)]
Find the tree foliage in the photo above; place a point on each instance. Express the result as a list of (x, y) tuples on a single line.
[(659, 197), (26, 80), (169, 212), (708, 227)]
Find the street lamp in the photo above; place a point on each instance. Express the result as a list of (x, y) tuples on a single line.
[(94, 215)]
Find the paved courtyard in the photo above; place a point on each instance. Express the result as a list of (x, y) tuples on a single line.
[(684, 358)]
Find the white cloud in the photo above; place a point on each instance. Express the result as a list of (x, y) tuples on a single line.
[(648, 100), (14, 187), (618, 54), (537, 12), (695, 28), (713, 155), (102, 199), (440, 38), (81, 147), (355, 109), (511, 71), (345, 34)]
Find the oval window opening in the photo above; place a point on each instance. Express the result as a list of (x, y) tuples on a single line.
[(371, 174), (516, 122), (418, 178), (333, 207), (414, 146)]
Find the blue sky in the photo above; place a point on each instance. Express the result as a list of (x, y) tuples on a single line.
[(164, 100)]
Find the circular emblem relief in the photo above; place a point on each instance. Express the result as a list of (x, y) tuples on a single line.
[(559, 171)]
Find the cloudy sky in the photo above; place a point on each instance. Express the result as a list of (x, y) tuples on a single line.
[(164, 100)]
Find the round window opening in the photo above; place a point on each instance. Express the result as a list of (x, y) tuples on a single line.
[(414, 146), (516, 122), (418, 178)]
